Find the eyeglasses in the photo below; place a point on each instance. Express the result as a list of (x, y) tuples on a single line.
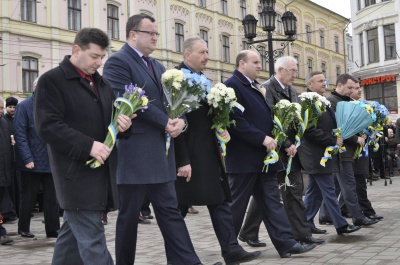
[(292, 71), (151, 33)]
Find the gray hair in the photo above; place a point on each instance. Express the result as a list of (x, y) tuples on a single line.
[(189, 43), (311, 75), (282, 62)]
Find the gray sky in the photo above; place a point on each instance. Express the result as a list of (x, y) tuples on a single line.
[(342, 7)]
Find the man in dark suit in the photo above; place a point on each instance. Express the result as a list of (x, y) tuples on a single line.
[(143, 167), (321, 181), (280, 87), (72, 110), (202, 176), (250, 143)]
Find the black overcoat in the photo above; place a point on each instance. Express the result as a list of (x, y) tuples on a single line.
[(5, 155), (198, 146), (69, 117)]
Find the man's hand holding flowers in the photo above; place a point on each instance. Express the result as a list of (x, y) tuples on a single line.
[(175, 127)]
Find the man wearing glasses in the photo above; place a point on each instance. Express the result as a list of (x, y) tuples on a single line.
[(280, 87), (143, 168)]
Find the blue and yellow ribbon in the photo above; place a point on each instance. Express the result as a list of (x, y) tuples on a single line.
[(317, 108), (167, 142), (222, 141), (271, 158)]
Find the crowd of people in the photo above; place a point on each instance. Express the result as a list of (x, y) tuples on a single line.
[(63, 125)]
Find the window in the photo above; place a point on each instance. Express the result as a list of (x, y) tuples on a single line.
[(373, 45), (74, 15), (298, 66), (350, 52), (385, 93), (370, 2), (323, 68), (202, 3), (361, 49), (179, 37), (308, 33), (263, 59), (112, 22), (309, 65), (322, 38), (28, 10), (279, 24), (29, 73), (245, 46), (338, 71), (243, 8), (224, 7), (204, 35), (358, 5), (390, 41), (336, 43), (225, 49)]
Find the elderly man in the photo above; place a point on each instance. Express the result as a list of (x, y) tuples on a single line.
[(280, 87), (250, 143), (321, 181), (202, 177), (345, 85)]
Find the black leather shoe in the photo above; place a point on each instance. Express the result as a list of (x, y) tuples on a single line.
[(297, 249), (27, 234), (143, 221), (375, 216), (52, 234), (241, 257), (253, 243), (365, 222), (347, 229), (312, 240), (315, 230), (325, 221), (148, 216), (5, 240)]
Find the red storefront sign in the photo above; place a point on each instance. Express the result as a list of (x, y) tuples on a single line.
[(378, 80)]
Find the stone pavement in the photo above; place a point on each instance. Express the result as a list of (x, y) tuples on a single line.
[(378, 244)]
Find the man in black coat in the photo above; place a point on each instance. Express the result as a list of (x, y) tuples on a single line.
[(251, 141), (202, 176), (280, 87), (72, 110), (321, 181), (345, 84)]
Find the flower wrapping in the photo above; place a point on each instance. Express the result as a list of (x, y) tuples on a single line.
[(132, 101), (183, 92)]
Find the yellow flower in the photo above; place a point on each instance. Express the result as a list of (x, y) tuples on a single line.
[(145, 101)]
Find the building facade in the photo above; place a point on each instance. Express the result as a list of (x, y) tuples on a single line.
[(376, 42), (36, 35)]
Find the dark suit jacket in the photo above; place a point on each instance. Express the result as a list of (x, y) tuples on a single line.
[(69, 117), (142, 158), (254, 121), (274, 94)]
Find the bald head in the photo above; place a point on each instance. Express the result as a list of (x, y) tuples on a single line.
[(249, 64)]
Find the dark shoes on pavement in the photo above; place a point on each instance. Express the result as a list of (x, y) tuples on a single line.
[(375, 217), (148, 216), (347, 229), (253, 243), (311, 240), (297, 249), (315, 230), (26, 234), (144, 221), (5, 240), (365, 222), (325, 221), (52, 234), (241, 257)]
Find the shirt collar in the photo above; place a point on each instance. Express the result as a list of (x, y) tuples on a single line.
[(82, 74), (282, 85)]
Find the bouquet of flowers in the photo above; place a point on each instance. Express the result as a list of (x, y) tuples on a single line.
[(285, 114), (132, 101), (183, 91), (221, 99), (313, 106), (380, 116), (350, 119)]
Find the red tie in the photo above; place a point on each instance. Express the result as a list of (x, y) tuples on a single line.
[(149, 65)]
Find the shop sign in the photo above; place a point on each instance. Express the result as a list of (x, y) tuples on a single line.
[(378, 80)]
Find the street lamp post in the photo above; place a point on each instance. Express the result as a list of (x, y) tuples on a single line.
[(268, 17)]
